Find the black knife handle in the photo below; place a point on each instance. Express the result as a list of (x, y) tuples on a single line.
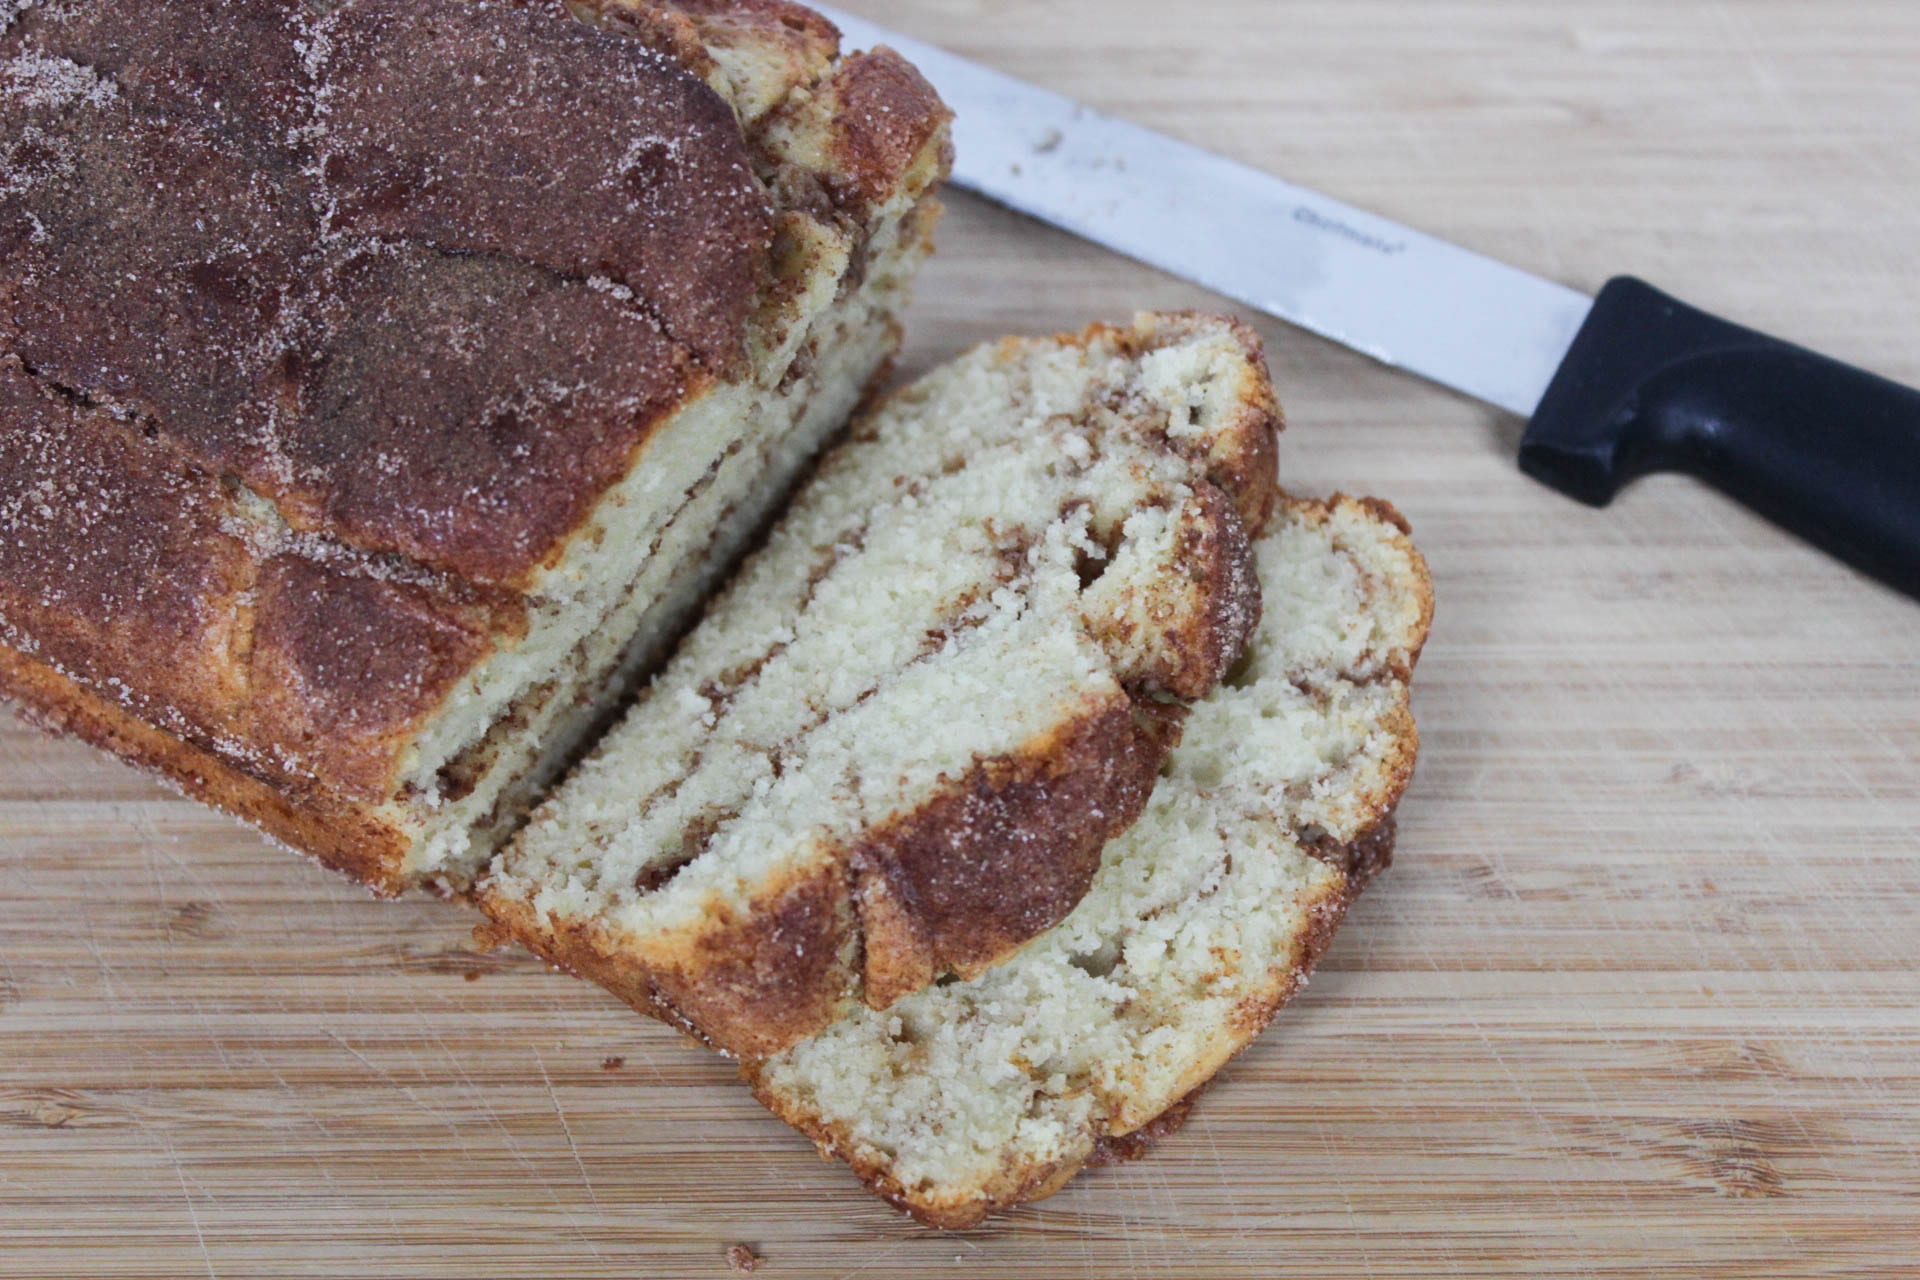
[(1826, 450)]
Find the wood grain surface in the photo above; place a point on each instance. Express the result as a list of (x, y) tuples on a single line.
[(1642, 996)]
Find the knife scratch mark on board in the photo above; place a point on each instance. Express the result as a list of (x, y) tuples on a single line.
[(193, 1214), (566, 1129)]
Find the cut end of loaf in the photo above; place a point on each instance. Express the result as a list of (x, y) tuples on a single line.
[(1202, 921)]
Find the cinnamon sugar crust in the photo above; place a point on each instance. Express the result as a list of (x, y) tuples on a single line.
[(469, 455), (961, 882), (352, 838), (661, 199), (409, 300), (375, 180)]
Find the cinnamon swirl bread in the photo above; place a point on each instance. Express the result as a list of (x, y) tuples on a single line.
[(382, 382)]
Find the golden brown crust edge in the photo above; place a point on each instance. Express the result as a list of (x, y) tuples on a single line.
[(1244, 462), (1006, 853), (1025, 1184), (890, 129), (341, 834), (954, 886)]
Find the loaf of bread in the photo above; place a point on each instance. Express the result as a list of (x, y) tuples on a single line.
[(1205, 917), (384, 382), (895, 746)]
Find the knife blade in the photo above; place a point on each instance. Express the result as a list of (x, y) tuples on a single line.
[(1616, 385)]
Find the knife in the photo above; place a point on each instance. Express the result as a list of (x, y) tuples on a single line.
[(1617, 385)]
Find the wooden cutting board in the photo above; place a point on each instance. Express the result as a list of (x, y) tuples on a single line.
[(1642, 996)]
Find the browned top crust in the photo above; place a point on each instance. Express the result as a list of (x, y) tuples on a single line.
[(883, 112), (659, 193), (392, 291), (231, 67), (629, 201), (494, 447), (472, 127), (126, 550)]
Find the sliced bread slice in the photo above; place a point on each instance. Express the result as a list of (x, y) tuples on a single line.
[(897, 743), (1205, 917)]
